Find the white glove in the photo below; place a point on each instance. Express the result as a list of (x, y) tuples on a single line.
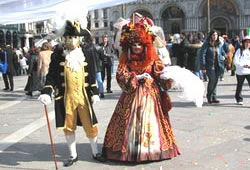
[(146, 75), (95, 99), (142, 76), (45, 99)]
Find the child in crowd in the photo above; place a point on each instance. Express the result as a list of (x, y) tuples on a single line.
[(23, 65)]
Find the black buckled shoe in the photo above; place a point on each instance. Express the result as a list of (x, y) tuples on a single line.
[(209, 101), (29, 93), (109, 91), (70, 161), (215, 101), (102, 95), (99, 158)]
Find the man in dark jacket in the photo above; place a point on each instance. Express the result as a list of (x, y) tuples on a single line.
[(72, 76), (108, 57), (8, 76), (182, 60), (92, 51)]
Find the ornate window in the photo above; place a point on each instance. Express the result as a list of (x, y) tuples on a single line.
[(96, 14)]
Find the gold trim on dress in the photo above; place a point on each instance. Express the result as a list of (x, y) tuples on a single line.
[(86, 74), (62, 63), (86, 84)]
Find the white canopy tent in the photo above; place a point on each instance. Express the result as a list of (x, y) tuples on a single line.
[(23, 11)]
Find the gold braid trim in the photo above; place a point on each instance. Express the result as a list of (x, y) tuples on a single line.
[(77, 25), (48, 86), (58, 98)]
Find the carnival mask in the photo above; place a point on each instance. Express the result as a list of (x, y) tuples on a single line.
[(137, 48), (72, 42)]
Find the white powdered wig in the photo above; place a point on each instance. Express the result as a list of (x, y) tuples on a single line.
[(74, 59), (192, 87)]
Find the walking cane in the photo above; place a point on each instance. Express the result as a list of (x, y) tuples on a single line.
[(50, 136)]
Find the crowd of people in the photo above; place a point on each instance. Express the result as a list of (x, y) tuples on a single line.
[(185, 50), (210, 57), (34, 63)]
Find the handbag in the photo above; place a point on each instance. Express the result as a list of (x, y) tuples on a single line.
[(4, 66)]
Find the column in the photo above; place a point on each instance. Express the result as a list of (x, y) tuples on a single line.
[(27, 43)]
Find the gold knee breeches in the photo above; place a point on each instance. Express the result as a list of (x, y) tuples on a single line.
[(71, 119)]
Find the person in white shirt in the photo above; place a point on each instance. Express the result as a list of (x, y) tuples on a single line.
[(242, 64), (23, 65)]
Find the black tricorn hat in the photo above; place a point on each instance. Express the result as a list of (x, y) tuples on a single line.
[(74, 29)]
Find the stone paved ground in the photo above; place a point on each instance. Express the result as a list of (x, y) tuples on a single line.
[(214, 137)]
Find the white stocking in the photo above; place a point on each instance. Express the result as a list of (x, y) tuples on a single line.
[(71, 140), (93, 143)]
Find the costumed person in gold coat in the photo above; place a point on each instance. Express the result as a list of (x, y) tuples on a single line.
[(140, 129), (72, 77)]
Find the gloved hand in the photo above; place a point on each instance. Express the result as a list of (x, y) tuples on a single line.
[(45, 99), (95, 99), (146, 75), (143, 76)]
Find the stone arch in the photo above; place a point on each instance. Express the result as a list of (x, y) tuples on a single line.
[(222, 24), (165, 7), (2, 39), (203, 4), (8, 38), (172, 19), (225, 11), (143, 11), (15, 39), (115, 16)]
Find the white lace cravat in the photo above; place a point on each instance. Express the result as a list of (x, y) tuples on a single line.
[(75, 59)]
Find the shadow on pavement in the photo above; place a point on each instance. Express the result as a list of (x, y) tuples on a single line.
[(22, 153), (248, 128)]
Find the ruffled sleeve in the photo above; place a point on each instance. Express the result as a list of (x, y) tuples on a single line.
[(126, 79), (157, 71)]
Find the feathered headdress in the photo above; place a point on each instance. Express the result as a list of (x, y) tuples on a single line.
[(137, 31)]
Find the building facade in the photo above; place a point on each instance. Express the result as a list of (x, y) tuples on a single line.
[(175, 16), (23, 35)]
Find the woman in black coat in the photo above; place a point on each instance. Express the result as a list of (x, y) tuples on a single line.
[(33, 83)]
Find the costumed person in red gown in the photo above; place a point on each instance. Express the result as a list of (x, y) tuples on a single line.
[(140, 129), (72, 77)]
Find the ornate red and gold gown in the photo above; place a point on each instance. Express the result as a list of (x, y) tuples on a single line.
[(139, 129)]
